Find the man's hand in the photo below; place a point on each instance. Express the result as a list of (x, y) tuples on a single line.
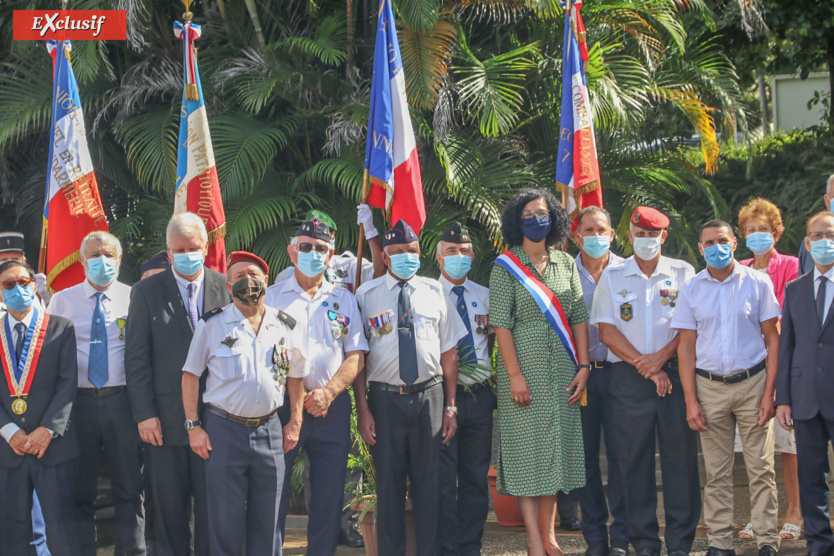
[(317, 402), (664, 385), (200, 442), (38, 442), (783, 415), (18, 442), (766, 410), (579, 382), (367, 426), (450, 425), (291, 433), (150, 430), (649, 365), (695, 417)]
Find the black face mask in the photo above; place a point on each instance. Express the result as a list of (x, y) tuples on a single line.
[(248, 290)]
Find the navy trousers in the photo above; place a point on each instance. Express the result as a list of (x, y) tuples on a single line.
[(244, 477), (812, 438), (642, 416), (55, 485), (108, 422), (464, 465), (598, 420), (326, 441)]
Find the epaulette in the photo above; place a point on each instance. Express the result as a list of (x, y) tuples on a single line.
[(213, 312), (288, 320)]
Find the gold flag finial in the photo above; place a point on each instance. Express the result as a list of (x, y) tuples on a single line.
[(188, 16)]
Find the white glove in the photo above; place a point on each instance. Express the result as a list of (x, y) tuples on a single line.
[(364, 217), (40, 286)]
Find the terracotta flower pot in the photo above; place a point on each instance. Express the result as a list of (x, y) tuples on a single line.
[(369, 528), (506, 507)]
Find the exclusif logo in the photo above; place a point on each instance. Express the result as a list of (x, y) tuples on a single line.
[(95, 25)]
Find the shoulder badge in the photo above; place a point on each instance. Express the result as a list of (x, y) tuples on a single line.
[(213, 312), (288, 320)]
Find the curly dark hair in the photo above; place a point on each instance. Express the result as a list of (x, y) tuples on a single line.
[(511, 219)]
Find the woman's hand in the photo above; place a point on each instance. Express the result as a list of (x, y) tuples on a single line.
[(519, 390), (579, 382)]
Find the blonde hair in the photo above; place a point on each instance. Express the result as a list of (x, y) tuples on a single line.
[(759, 208)]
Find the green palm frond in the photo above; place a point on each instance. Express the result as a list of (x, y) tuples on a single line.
[(26, 90), (417, 15), (328, 43), (150, 142), (343, 173), (426, 62)]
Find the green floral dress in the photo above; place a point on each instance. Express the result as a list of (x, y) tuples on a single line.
[(541, 444)]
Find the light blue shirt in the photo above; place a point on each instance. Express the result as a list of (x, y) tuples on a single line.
[(597, 351)]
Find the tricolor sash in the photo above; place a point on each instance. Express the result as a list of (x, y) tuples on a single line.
[(545, 299), (19, 374)]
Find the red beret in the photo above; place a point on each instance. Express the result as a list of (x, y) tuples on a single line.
[(246, 257), (649, 218)]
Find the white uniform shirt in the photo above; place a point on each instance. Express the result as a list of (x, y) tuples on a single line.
[(632, 302), (727, 318), (241, 378), (341, 271), (435, 332), (829, 289), (9, 430), (318, 318), (476, 298), (78, 304), (199, 294)]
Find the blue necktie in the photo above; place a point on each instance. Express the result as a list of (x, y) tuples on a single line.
[(405, 336), (97, 367), (20, 330), (466, 346), (192, 305)]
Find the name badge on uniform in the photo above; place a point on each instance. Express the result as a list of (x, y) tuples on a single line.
[(483, 324), (338, 323), (381, 323), (280, 362)]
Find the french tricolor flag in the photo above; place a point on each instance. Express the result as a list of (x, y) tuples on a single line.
[(72, 206), (198, 187), (391, 153)]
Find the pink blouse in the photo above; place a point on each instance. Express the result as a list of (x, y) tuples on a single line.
[(781, 269)]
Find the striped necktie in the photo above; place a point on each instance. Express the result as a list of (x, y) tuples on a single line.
[(192, 305)]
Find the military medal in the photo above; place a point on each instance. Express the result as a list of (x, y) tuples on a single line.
[(483, 323), (664, 297), (121, 324), (626, 312), (381, 323), (20, 373), (280, 363), (673, 295)]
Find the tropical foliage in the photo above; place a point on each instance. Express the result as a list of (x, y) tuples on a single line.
[(287, 89)]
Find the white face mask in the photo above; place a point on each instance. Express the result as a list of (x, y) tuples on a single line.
[(646, 248)]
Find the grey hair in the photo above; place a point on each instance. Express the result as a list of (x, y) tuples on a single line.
[(440, 247), (830, 188), (186, 224), (592, 209), (100, 236)]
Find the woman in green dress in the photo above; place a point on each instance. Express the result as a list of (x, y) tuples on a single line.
[(539, 385)]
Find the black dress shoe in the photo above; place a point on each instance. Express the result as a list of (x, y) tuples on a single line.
[(616, 550), (678, 553), (570, 524), (647, 552), (597, 549), (767, 550), (351, 537), (713, 551)]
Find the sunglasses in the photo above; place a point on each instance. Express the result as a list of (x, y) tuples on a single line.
[(319, 247), (22, 282)]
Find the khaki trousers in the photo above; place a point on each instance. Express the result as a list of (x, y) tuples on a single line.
[(726, 405)]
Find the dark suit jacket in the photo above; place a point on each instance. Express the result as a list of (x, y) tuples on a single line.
[(51, 396), (805, 380), (157, 336)]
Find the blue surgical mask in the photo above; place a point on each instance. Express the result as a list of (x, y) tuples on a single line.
[(188, 264), (457, 266), (311, 264), (535, 229), (719, 256), (646, 248), (102, 270), (760, 242), (596, 246), (19, 299), (405, 265), (822, 251)]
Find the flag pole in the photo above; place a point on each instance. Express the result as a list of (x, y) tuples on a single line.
[(361, 247)]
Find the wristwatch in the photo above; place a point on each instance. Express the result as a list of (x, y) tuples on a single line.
[(584, 367), (191, 424), (452, 409)]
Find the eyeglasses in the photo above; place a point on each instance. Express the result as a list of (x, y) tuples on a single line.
[(22, 282), (815, 236), (319, 247), (525, 214)]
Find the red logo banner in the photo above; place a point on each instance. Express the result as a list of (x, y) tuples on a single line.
[(89, 25)]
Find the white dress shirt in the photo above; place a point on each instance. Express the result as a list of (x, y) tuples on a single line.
[(341, 271), (323, 351), (9, 430), (199, 294), (435, 332), (727, 318), (241, 379), (829, 289), (78, 304), (597, 351), (476, 298), (624, 291)]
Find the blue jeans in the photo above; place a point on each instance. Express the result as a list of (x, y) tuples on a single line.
[(38, 529)]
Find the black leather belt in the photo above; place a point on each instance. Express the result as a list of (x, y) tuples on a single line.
[(733, 378), (101, 392), (413, 389), (248, 421), (600, 364), (477, 387)]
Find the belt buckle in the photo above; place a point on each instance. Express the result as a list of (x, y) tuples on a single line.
[(598, 365), (401, 386), (252, 422)]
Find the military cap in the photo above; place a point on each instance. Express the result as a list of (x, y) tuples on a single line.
[(400, 233), (11, 241), (649, 218), (314, 228), (321, 217), (456, 233), (160, 260), (246, 257)]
